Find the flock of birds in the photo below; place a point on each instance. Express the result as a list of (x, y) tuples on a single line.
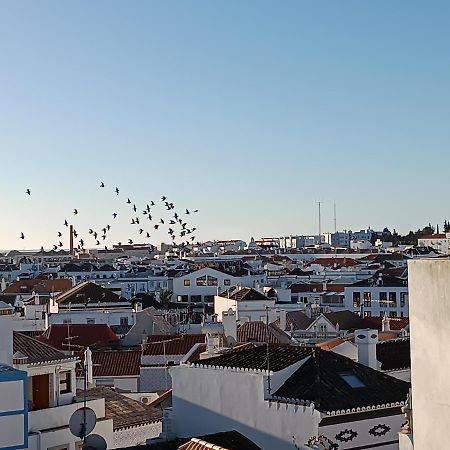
[(180, 232)]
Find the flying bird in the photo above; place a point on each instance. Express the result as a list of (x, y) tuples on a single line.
[(75, 212), (156, 227), (130, 241), (163, 198), (137, 220), (129, 202), (95, 235), (162, 221), (60, 244), (108, 227), (114, 215), (132, 222), (97, 243), (148, 234), (55, 247), (91, 230), (102, 185), (59, 234), (22, 236), (141, 231), (28, 192), (75, 233), (134, 208), (187, 211), (66, 223), (117, 190)]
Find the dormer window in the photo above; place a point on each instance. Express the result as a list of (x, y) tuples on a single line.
[(65, 379)]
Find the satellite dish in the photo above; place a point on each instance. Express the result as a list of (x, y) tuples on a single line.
[(82, 416), (94, 442)]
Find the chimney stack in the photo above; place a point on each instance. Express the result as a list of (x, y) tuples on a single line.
[(386, 323), (229, 322), (283, 323), (366, 341), (88, 366)]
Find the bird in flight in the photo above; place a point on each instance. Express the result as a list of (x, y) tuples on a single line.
[(102, 185), (163, 198), (55, 247), (148, 234), (187, 211), (128, 201), (141, 231), (59, 234), (134, 208), (75, 211), (156, 227), (22, 236), (117, 190), (114, 215), (130, 241), (66, 223), (28, 192), (91, 230)]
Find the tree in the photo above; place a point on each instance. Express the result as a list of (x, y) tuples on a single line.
[(165, 297)]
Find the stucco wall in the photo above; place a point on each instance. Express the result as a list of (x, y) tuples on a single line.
[(429, 296), (209, 401), (136, 436)]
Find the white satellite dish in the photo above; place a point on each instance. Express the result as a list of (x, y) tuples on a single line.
[(94, 442), (82, 418)]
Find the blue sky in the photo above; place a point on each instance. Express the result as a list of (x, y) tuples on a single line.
[(250, 111)]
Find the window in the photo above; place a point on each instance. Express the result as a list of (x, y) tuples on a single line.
[(90, 321), (383, 299), (124, 321), (367, 299), (213, 281), (226, 282), (393, 299), (352, 380), (403, 299), (323, 328), (65, 382), (186, 283), (201, 281), (196, 298), (356, 299), (183, 298), (392, 314), (208, 298)]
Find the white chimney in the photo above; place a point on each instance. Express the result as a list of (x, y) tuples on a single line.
[(386, 323), (138, 306), (366, 341), (3, 285), (283, 323), (229, 322), (308, 311), (6, 333), (88, 366)]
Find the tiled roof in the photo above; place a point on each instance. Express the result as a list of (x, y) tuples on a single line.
[(229, 440), (179, 344), (37, 352), (394, 355), (347, 320), (78, 336), (335, 262), (89, 292), (296, 320), (39, 286), (255, 357), (319, 380), (301, 273), (243, 294), (116, 363), (124, 412), (395, 323), (260, 332)]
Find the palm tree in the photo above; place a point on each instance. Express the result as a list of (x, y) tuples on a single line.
[(165, 297)]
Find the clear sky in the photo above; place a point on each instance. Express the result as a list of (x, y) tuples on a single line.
[(251, 111)]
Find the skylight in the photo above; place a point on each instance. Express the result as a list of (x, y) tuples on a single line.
[(352, 380)]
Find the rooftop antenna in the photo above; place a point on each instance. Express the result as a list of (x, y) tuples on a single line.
[(269, 389), (335, 219), (320, 219)]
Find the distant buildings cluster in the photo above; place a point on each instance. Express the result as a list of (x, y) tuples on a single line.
[(294, 342)]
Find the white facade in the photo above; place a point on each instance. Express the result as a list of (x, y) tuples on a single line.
[(377, 300), (439, 242), (210, 400), (429, 284), (109, 316), (246, 311), (202, 285)]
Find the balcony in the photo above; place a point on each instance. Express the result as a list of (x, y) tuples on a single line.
[(59, 416)]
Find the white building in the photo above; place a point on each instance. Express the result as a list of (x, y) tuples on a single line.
[(305, 394), (439, 242), (203, 284)]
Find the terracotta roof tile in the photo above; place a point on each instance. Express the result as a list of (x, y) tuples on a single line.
[(172, 344), (39, 286), (260, 332)]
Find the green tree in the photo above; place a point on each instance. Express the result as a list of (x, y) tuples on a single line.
[(165, 297)]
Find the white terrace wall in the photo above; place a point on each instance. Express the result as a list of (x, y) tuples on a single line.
[(208, 400), (130, 437)]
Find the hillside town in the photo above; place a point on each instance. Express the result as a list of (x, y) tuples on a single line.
[(279, 343)]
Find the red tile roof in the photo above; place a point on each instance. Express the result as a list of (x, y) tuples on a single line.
[(172, 344), (317, 287), (79, 336), (434, 236), (243, 294), (396, 323), (335, 262), (39, 286), (260, 332), (116, 363)]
